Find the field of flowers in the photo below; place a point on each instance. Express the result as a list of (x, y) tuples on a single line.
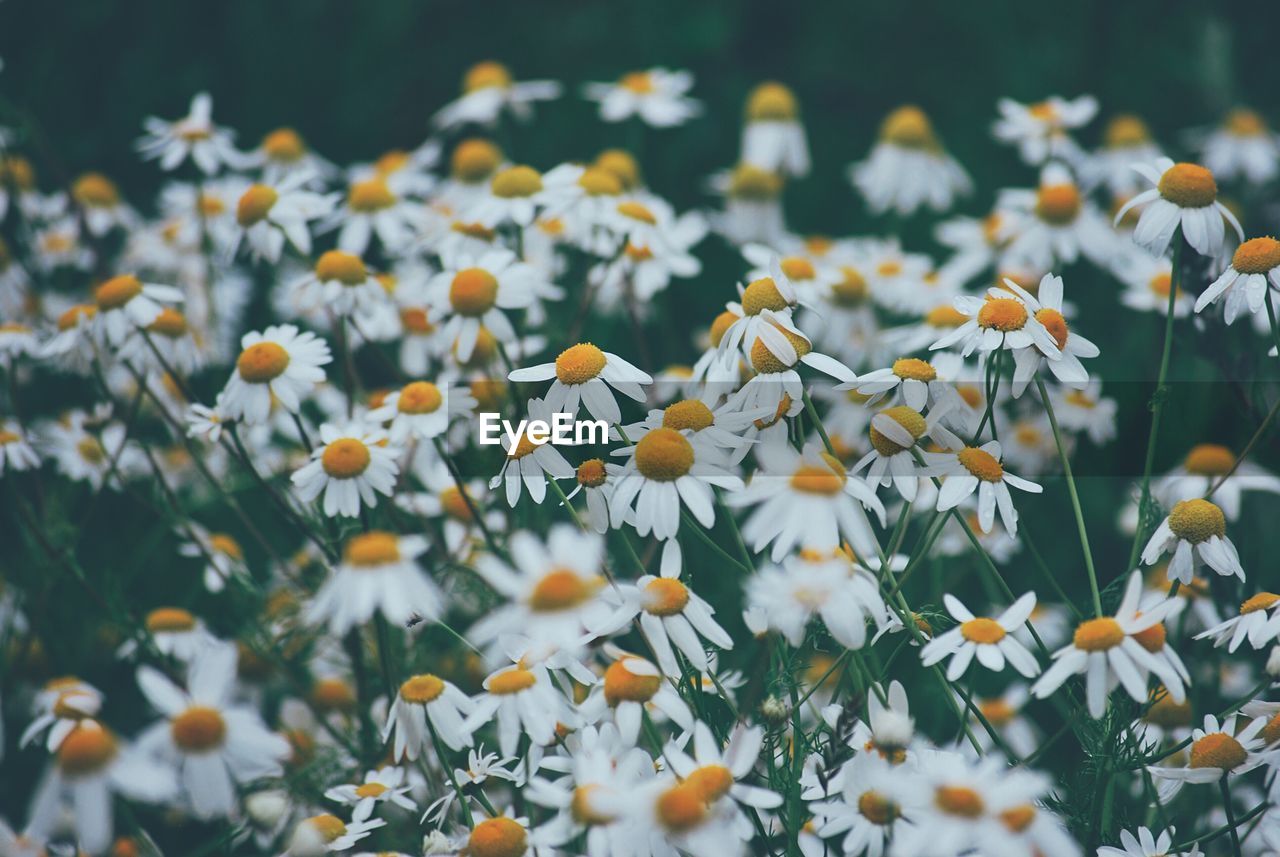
[(952, 536)]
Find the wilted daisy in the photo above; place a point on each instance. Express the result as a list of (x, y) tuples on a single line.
[(908, 167), (271, 214), (663, 471), (16, 452), (584, 373), (194, 136), (630, 685), (351, 467), (470, 293), (421, 698), (1243, 147), (1042, 130), (895, 434), (1254, 269), (378, 573), (279, 365), (1258, 622), (213, 743), (1185, 196), (488, 90), (657, 96), (124, 303), (1111, 650), (1195, 532), (385, 785), (989, 640), (828, 586)]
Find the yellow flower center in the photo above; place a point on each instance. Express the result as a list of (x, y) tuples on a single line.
[(1218, 750), (622, 685), (959, 800), (117, 291), (1166, 713), (720, 326), (762, 294), (90, 449), (825, 481), (345, 458), (637, 211), (346, 268), (1153, 638), (561, 589), (579, 363), (1210, 459), (420, 397), (1098, 635), (914, 369), (371, 549), (981, 464), (622, 165), (284, 145), (370, 195), (1003, 314), (71, 317), (908, 127), (982, 630), (8, 437), (198, 729), (255, 204), (945, 316), (851, 290), (95, 191), (1058, 204), (169, 619), (1188, 186), (1055, 323), (518, 181), (754, 183), (766, 362), (373, 790), (262, 362), (478, 231), (582, 810), (1018, 818), (1161, 283), (170, 323), (876, 808), (797, 268), (711, 781), (1257, 256), (639, 82), (421, 689), (681, 808), (330, 827), (1261, 601), (86, 750), (997, 711), (226, 545), (473, 292), (484, 75), (511, 681), (689, 414), (1126, 130), (909, 419), (1245, 123), (597, 181), (1197, 520), (664, 455), (592, 473), (666, 596), (333, 694), (415, 320), (771, 102), (474, 160)]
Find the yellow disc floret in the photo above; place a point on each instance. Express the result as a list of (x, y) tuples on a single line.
[(579, 363), (199, 729), (345, 458), (1188, 186), (1257, 256), (511, 681), (959, 800), (1002, 314), (914, 369), (117, 291), (517, 181), (592, 473), (421, 689), (665, 596), (371, 549), (908, 127), (622, 685), (262, 362), (561, 589), (772, 102), (763, 294), (1197, 520), (474, 160), (1218, 750), (255, 204), (664, 455), (473, 292), (1098, 635), (1058, 204), (420, 397), (370, 195), (982, 630), (909, 419), (487, 74), (87, 749), (981, 464), (346, 268), (691, 414), (94, 190), (169, 619)]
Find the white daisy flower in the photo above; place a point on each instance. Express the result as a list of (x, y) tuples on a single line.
[(420, 410), (1254, 270), (1148, 280), (528, 464), (385, 785), (979, 469), (1184, 195), (378, 573), (1195, 532), (1111, 650), (1126, 141), (213, 743), (515, 195), (194, 136), (630, 685), (1258, 622), (657, 96), (1086, 411), (1146, 845), (283, 153), (908, 167), (99, 201), (1218, 750), (895, 434), (524, 701), (470, 293), (271, 214), (351, 467), (177, 633), (773, 138), (584, 373), (124, 303), (341, 283), (421, 698), (1243, 147), (1214, 466), (716, 771), (596, 479), (325, 833), (991, 641), (488, 91), (752, 204), (1041, 130), (828, 586), (16, 452), (279, 365), (864, 811), (59, 707), (721, 426), (221, 552), (375, 206), (1054, 224)]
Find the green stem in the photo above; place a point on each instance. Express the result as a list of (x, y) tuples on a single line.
[(1232, 824)]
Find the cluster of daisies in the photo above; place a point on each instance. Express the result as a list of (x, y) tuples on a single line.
[(696, 635)]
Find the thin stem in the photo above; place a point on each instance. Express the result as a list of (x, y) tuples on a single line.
[(1231, 815)]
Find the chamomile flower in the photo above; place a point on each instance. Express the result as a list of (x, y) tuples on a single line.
[(1195, 532), (59, 707), (385, 785), (213, 743), (1001, 320), (1112, 650), (1214, 467), (374, 207), (1218, 750), (421, 410), (753, 204), (16, 452), (1243, 147), (908, 167), (895, 433), (422, 698), (523, 701), (1254, 270), (583, 373), (222, 553), (657, 96), (1258, 622), (665, 470), (1185, 197), (194, 136), (716, 771), (471, 293), (1148, 280), (325, 833), (914, 379), (630, 685), (378, 573), (351, 467), (1054, 224), (845, 596), (178, 633), (1087, 411), (528, 464), (979, 469), (773, 137), (991, 641), (279, 365), (339, 282), (1146, 845), (124, 303), (515, 194), (283, 153), (1041, 131), (99, 201), (271, 214), (488, 91), (863, 807), (776, 354), (1126, 141)]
